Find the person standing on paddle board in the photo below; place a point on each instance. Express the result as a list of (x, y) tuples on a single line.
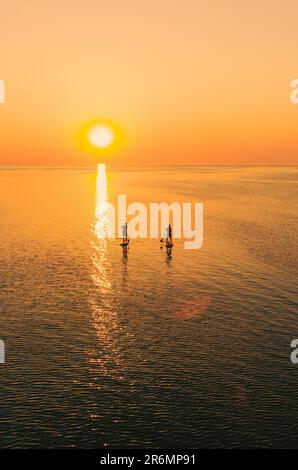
[(169, 233), (124, 232), (169, 236)]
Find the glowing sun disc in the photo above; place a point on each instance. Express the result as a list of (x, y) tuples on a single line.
[(101, 136)]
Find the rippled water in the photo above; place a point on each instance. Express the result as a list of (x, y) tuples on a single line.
[(147, 351)]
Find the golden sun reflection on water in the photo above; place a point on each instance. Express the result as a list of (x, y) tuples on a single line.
[(104, 315), (104, 219)]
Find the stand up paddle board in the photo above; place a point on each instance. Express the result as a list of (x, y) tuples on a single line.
[(168, 245)]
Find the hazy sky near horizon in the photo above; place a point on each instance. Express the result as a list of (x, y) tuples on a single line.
[(189, 82)]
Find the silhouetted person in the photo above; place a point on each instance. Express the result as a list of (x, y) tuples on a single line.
[(169, 233), (124, 232)]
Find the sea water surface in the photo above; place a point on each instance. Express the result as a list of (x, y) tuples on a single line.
[(147, 351)]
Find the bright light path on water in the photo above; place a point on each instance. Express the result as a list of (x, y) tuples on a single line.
[(104, 218)]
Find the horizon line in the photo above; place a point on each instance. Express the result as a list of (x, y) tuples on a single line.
[(89, 167)]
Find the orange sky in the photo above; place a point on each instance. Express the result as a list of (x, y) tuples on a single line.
[(189, 82)]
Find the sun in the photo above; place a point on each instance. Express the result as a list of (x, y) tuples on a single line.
[(100, 137)]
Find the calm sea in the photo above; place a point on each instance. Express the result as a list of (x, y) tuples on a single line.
[(147, 351)]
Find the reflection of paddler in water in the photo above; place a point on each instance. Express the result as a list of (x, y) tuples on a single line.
[(125, 240), (168, 243), (124, 286)]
